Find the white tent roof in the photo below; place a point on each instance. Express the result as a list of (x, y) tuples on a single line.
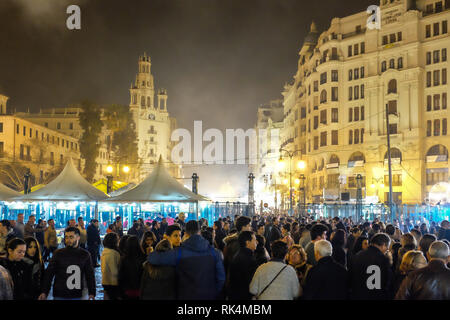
[(7, 193), (159, 186), (69, 185)]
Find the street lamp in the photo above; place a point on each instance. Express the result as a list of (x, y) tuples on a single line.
[(110, 177), (301, 165), (359, 195), (303, 189)]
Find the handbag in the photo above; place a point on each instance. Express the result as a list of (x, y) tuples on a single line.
[(257, 296)]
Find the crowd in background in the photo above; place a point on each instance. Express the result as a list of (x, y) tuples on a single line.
[(265, 257)]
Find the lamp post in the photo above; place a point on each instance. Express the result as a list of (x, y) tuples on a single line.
[(303, 190), (301, 166), (359, 195), (26, 183), (251, 194), (110, 177), (195, 179)]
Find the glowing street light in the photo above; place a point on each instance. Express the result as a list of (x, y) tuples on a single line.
[(109, 169), (297, 181), (126, 169), (301, 165)]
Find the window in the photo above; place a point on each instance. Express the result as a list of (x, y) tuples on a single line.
[(334, 137), (438, 7), (392, 64), (323, 96), (436, 56), (316, 86), (46, 124), (71, 126), (350, 114), (350, 51), (444, 26), (323, 78), (444, 126), (334, 115), (334, 76), (383, 66), (392, 38), (303, 113), (399, 36), (356, 49), (2, 149), (334, 94), (323, 139), (350, 75), (392, 107), (356, 73), (437, 127), (323, 116), (362, 72), (428, 31), (444, 55), (22, 156), (428, 128), (385, 40), (436, 76), (429, 103), (362, 91), (58, 125), (400, 63), (428, 57), (17, 129), (444, 101), (362, 113), (356, 136), (428, 79), (436, 101), (24, 131), (436, 29), (316, 143), (1, 126), (444, 76), (350, 137), (316, 122), (62, 143), (350, 93), (393, 128), (363, 47), (362, 135), (392, 86), (356, 92), (356, 111)]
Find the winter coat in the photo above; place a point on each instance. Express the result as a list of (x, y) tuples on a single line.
[(93, 236), (362, 268), (230, 250), (326, 281), (130, 273), (67, 266), (21, 274), (340, 256), (220, 235), (199, 269), (158, 282), (261, 255), (429, 283), (37, 274), (240, 274), (50, 238), (6, 285), (110, 267)]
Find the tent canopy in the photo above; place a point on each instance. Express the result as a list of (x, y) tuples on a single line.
[(159, 186), (69, 185), (102, 185), (7, 193)]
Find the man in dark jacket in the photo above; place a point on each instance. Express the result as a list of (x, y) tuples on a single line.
[(431, 282), (275, 232), (328, 279), (93, 241), (242, 268), (70, 266), (231, 242), (371, 275), (199, 268)]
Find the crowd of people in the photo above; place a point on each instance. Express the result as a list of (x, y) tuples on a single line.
[(264, 257)]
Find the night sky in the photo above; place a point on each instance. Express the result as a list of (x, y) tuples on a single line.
[(218, 59)]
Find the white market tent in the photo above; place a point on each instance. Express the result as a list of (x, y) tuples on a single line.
[(7, 193), (159, 186), (69, 185)]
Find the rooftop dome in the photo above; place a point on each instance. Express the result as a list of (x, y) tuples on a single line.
[(312, 36)]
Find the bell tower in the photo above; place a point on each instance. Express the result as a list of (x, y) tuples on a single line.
[(3, 100), (142, 92)]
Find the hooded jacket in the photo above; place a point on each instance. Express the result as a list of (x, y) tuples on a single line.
[(199, 268), (230, 250)]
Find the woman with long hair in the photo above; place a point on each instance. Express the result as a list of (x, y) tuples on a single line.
[(34, 259), (122, 244), (412, 260), (110, 266), (148, 242), (20, 271), (296, 257), (338, 241), (130, 269)]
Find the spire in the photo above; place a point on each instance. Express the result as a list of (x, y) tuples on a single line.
[(313, 27)]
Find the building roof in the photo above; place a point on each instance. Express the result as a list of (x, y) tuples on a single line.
[(7, 193), (69, 185), (313, 35), (159, 186)]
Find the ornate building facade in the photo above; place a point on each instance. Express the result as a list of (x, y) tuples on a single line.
[(349, 79)]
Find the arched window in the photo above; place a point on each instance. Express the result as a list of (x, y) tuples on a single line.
[(440, 151), (383, 66), (135, 98), (357, 156), (334, 159), (322, 164), (392, 64), (392, 86), (395, 154), (400, 63), (142, 101), (323, 96)]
